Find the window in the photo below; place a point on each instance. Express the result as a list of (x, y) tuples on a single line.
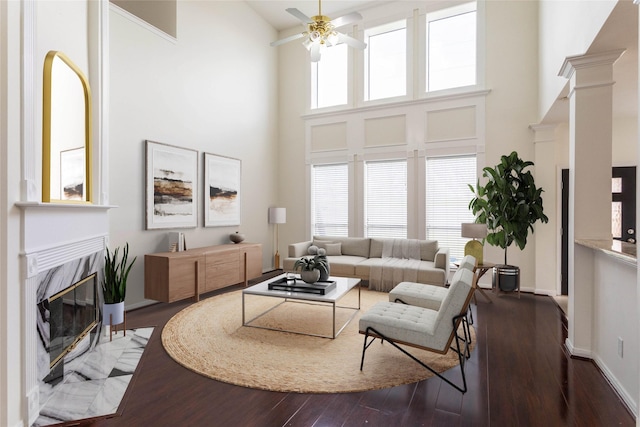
[(447, 200), (386, 199), (330, 200), (451, 48), (386, 61), (329, 78)]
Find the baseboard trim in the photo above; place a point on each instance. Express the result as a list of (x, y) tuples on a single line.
[(577, 352), (622, 393)]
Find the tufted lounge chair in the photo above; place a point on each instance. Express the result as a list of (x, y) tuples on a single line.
[(424, 328), (427, 296)]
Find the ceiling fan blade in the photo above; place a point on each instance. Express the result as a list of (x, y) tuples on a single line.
[(346, 19), (301, 16), (287, 39), (315, 51), (355, 43)]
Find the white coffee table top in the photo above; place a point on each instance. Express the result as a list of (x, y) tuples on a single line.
[(343, 285)]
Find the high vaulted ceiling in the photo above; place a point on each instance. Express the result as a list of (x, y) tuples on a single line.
[(620, 31), (274, 11)]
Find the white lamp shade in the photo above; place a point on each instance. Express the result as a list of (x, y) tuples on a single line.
[(474, 230), (277, 215)]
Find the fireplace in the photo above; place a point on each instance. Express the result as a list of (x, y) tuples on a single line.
[(73, 312), (68, 314), (63, 244)]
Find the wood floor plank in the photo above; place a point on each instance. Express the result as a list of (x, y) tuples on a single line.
[(519, 375)]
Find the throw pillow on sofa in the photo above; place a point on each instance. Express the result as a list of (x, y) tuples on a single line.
[(334, 249), (331, 248)]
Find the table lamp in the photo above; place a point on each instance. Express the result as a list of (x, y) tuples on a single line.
[(474, 247), (277, 216)]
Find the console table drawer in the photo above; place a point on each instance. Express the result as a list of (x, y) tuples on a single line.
[(172, 276), (221, 274)]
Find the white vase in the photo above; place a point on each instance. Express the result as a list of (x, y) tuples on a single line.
[(310, 276), (113, 314)]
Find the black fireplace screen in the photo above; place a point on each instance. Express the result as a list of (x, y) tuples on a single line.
[(72, 314)]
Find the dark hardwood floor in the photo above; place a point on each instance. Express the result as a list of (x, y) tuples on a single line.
[(518, 375)]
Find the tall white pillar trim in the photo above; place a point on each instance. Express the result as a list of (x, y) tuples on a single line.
[(576, 62)]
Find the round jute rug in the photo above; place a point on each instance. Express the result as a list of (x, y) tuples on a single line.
[(208, 338)]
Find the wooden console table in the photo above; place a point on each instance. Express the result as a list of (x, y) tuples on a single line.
[(173, 276)]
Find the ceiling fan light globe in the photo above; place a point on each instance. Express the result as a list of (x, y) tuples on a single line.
[(332, 39)]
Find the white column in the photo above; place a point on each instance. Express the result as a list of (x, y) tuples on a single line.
[(546, 235), (590, 138)]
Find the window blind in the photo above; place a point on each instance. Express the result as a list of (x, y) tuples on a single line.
[(447, 200), (386, 199), (330, 200)]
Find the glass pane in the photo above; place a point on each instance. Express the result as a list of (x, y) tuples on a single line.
[(616, 220), (616, 185), (386, 199), (387, 64), (330, 200), (451, 52), (329, 78), (447, 200)]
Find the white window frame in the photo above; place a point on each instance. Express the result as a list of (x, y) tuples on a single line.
[(407, 192), (375, 30), (314, 84), (311, 84), (474, 157), (478, 6), (312, 198)]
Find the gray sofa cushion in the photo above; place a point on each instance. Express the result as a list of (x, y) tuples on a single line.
[(356, 246), (428, 248), (344, 265), (427, 271)]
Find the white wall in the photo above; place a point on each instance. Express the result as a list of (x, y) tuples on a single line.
[(512, 77), (11, 390), (214, 90), (615, 316), (563, 34)]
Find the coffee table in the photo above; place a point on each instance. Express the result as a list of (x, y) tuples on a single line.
[(343, 286)]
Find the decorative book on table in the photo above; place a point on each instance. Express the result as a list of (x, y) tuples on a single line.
[(297, 285), (176, 241)]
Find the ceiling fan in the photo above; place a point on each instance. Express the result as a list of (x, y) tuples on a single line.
[(321, 32)]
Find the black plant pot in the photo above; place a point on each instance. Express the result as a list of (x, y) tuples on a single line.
[(506, 278)]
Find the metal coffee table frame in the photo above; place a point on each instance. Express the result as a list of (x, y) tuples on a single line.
[(343, 287)]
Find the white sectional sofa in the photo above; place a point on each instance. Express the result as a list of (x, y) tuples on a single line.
[(382, 262)]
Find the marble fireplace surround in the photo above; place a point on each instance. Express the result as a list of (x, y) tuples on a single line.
[(60, 242)]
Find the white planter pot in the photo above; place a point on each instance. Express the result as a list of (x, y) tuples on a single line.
[(310, 276), (113, 314)]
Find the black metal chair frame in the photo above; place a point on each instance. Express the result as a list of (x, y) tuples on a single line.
[(463, 354)]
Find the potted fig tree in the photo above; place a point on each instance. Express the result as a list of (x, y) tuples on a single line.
[(509, 204), (114, 284)]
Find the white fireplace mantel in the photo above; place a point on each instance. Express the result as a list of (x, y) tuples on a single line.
[(53, 234)]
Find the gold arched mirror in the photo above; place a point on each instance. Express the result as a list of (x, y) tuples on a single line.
[(66, 132)]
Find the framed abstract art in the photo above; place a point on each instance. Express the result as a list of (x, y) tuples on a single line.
[(172, 186), (222, 195)]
